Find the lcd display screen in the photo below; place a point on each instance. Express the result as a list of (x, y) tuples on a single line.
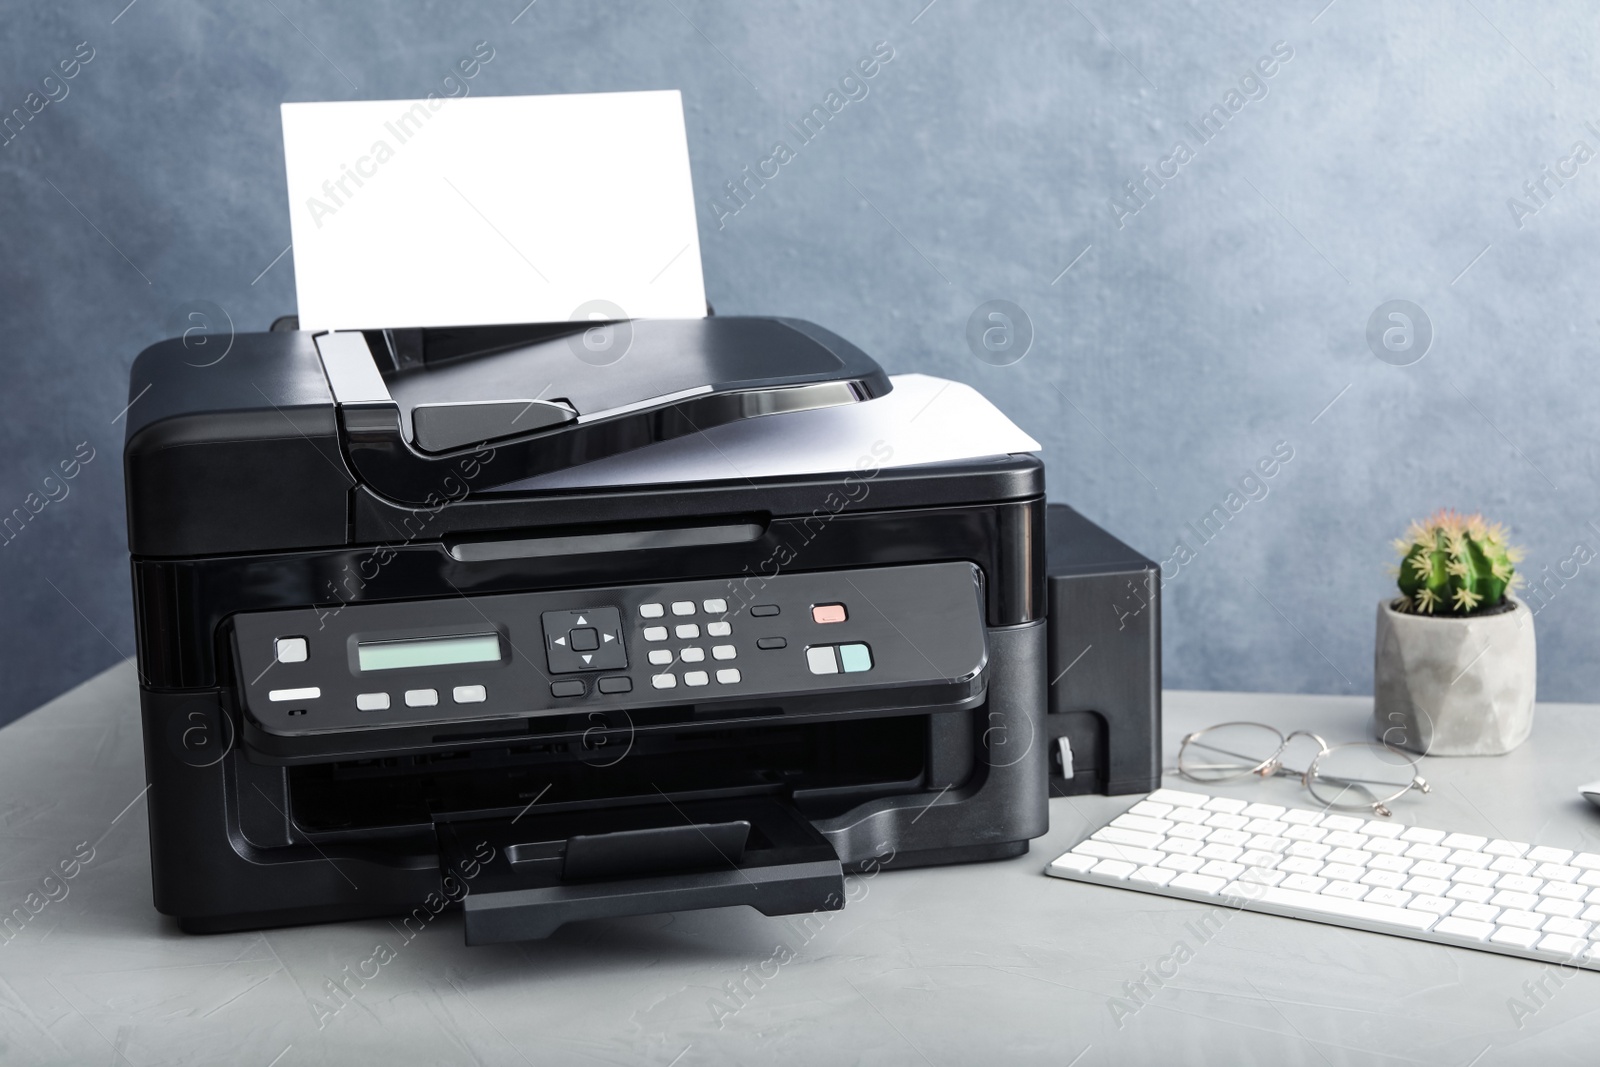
[(428, 652)]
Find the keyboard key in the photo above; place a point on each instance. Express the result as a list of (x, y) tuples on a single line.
[(1198, 883), (1568, 927), (1225, 821), (1267, 843), (1475, 893), (1466, 841), (1515, 883), (1305, 883), (1302, 865), (1484, 913), (1345, 839), (1592, 913), (1190, 831), (1382, 828), (1228, 837), (1225, 853), (1528, 920), (1511, 935), (1383, 879), (1565, 909), (1433, 905), (1564, 890), (1345, 890), (1387, 847), (1393, 897), (1226, 804), (1302, 817), (1353, 856), (1182, 864), (1071, 861), (1343, 822), (1422, 836), (1255, 857), (1139, 857), (1152, 875), (1544, 854), (1308, 850), (1590, 879), (1567, 946), (1511, 865), (1181, 845), (1587, 861), (1188, 815), (1476, 860), (1518, 901), (1150, 808), (1264, 811), (1118, 836), (1226, 871), (1512, 849), (1471, 929), (1429, 869), (1473, 876), (1269, 827), (1431, 853), (1263, 876), (1342, 872), (1115, 868), (1305, 833), (1557, 872), (1398, 864), (1436, 887)]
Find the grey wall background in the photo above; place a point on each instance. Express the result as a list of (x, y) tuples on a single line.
[(1185, 341)]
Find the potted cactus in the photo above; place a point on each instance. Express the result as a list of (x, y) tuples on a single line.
[(1454, 666)]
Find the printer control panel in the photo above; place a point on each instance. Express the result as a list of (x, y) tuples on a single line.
[(757, 641)]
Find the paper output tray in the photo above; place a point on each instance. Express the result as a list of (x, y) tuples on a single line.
[(546, 869)]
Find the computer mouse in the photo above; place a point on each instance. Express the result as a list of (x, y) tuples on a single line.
[(1591, 793)]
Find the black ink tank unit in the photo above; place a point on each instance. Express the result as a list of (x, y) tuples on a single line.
[(387, 663)]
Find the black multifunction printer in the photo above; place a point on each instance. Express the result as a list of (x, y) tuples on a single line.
[(382, 672)]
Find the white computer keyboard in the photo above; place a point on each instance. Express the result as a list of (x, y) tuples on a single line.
[(1371, 874)]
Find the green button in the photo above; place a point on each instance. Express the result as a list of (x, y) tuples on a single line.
[(855, 658)]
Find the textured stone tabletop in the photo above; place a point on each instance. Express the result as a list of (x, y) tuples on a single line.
[(978, 964)]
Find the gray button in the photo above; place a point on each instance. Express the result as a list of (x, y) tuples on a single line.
[(655, 633), (723, 651), (616, 684), (715, 606), (309, 692), (372, 701), (664, 681), (718, 629), (695, 678), (683, 607), (290, 649), (692, 655), (421, 698), (661, 656), (469, 694), (729, 676), (567, 687), (688, 632), (650, 611), (821, 660)]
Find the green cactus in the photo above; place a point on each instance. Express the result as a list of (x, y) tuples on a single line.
[(1455, 565)]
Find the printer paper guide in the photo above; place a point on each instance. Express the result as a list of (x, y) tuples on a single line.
[(478, 211), (922, 420)]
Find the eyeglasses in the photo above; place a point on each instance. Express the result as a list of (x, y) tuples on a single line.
[(1362, 776)]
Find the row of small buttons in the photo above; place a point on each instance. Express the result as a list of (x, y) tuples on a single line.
[(422, 698), (727, 676), (854, 658), (688, 631), (714, 606), (663, 656), (574, 687)]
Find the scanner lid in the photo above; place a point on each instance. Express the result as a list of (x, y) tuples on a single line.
[(493, 405)]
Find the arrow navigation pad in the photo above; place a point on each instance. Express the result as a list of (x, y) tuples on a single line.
[(585, 639)]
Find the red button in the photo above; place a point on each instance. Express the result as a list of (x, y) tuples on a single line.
[(827, 613)]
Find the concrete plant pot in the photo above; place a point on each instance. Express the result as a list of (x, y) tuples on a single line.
[(1454, 686)]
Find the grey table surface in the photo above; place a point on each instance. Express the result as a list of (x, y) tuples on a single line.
[(975, 964)]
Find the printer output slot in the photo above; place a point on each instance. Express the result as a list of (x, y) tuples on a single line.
[(570, 542), (827, 767)]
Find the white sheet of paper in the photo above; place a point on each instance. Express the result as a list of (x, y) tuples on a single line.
[(922, 420), (483, 210)]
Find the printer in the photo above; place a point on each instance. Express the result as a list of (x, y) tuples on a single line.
[(397, 656)]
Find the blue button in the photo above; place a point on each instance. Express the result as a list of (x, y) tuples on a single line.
[(855, 658)]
